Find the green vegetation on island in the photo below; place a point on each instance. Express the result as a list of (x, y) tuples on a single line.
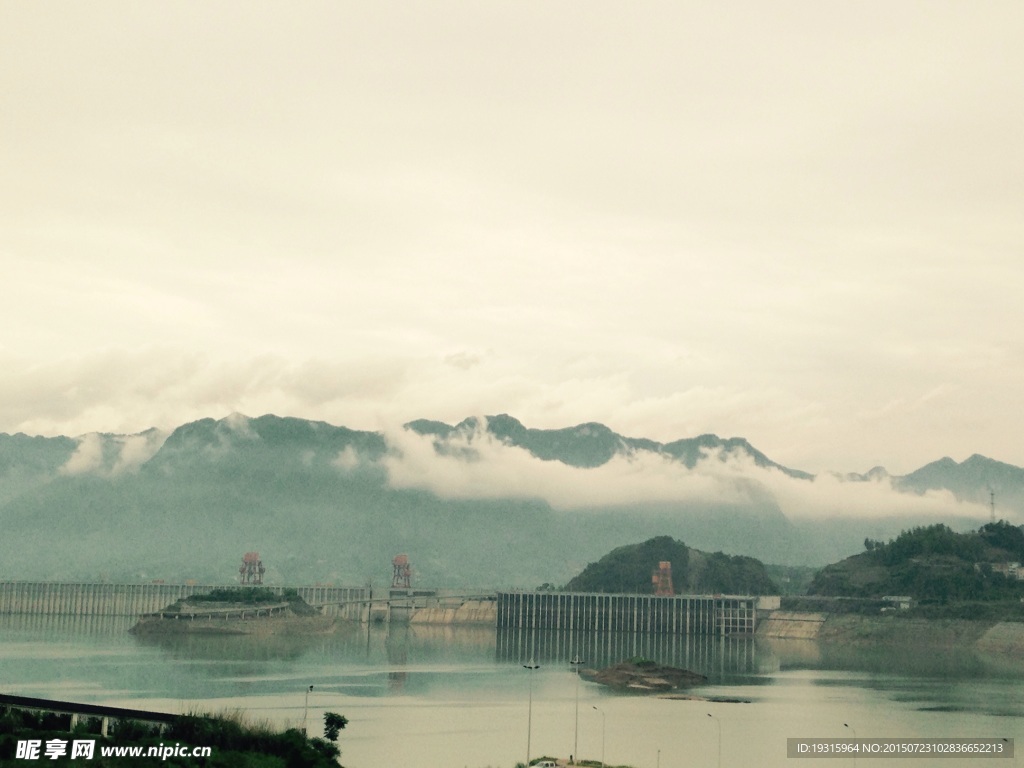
[(948, 574), (236, 610), (629, 569), (253, 596)]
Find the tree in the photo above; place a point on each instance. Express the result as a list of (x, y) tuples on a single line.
[(333, 725), (1004, 536)]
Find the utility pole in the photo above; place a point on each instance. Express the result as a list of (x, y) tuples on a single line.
[(305, 710), (576, 661), (529, 717)]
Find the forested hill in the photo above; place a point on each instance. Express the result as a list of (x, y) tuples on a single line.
[(931, 564), (629, 569)]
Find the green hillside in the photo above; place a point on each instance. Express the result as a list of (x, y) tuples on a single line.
[(628, 570), (932, 564)]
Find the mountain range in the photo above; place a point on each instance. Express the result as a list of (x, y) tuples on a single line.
[(487, 502)]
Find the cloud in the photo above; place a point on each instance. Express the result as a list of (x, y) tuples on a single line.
[(462, 360), (347, 459), (136, 450), (477, 465), (828, 496), (239, 424), (87, 458), (111, 455), (131, 390), (662, 221), (649, 390)]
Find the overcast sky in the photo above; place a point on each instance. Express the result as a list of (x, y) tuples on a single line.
[(797, 222)]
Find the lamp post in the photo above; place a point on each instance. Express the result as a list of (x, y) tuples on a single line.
[(847, 725), (305, 710), (719, 724), (602, 734), (529, 716), (576, 661)]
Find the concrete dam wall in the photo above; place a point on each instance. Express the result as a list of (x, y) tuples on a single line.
[(675, 614), (51, 598), (481, 612)]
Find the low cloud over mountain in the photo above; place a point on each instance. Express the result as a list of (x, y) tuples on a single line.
[(484, 502), (589, 466)]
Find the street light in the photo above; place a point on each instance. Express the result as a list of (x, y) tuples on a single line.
[(602, 734), (847, 725), (305, 710), (576, 661), (719, 724), (529, 717)]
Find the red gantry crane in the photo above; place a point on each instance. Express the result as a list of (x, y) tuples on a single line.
[(402, 578), (251, 571), (662, 579)]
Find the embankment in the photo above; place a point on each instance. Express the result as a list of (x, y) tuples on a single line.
[(468, 612), (792, 625), (1004, 637), (987, 636), (284, 625)]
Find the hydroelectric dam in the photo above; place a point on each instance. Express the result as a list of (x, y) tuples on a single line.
[(717, 615)]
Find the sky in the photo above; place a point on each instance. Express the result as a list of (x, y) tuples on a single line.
[(794, 222)]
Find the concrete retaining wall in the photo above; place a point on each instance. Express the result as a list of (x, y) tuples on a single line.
[(791, 624), (469, 612), (1004, 637)]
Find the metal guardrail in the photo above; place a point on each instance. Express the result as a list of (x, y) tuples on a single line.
[(255, 611), (76, 710)]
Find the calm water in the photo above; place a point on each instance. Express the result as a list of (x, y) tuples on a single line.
[(444, 697)]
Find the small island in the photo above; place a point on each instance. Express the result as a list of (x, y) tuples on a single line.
[(236, 611), (639, 675)]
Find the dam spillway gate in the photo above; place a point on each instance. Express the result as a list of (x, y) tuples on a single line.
[(676, 614), (52, 598)]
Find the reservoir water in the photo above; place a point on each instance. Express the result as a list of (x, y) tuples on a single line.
[(437, 697)]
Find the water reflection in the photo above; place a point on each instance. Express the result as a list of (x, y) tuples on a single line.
[(397, 644), (901, 660), (97, 654), (275, 647), (929, 678), (56, 626), (441, 696), (722, 659)]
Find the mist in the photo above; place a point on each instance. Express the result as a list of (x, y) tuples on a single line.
[(477, 465)]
